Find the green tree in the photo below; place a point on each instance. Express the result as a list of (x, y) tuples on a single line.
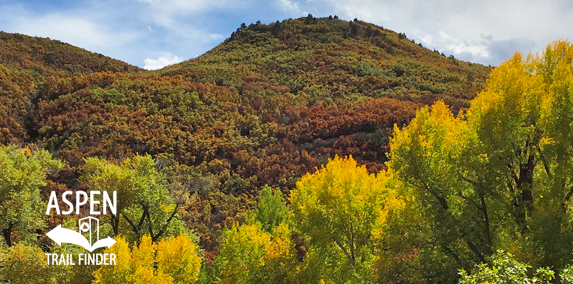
[(271, 210), (248, 254), (144, 201), (500, 176), (27, 264), (506, 270), (22, 175)]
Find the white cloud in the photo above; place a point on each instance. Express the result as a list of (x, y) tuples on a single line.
[(77, 31), (165, 60), (289, 5), (166, 12), (216, 36), (482, 31)]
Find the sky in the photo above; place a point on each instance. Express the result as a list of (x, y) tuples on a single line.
[(155, 33)]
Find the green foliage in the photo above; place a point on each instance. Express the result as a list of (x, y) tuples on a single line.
[(566, 275), (271, 209), (145, 205), (248, 254), (27, 264), (506, 270), (22, 175)]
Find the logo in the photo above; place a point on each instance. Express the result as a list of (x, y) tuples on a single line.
[(61, 235), (88, 226)]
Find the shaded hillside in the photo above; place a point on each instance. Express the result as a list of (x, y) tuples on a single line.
[(264, 107)]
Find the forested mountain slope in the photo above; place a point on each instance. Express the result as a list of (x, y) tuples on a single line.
[(267, 105), (26, 64)]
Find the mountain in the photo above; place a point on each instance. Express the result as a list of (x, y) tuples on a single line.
[(335, 61), (269, 104), (28, 62), (48, 57)]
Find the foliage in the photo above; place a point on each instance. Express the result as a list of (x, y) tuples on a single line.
[(265, 107), (172, 260), (248, 254), (271, 209), (343, 208), (498, 177), (506, 270), (22, 174), (144, 201), (27, 264)]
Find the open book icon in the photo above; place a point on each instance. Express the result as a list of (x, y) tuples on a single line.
[(62, 235)]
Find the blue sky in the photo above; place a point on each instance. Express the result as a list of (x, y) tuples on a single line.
[(154, 33)]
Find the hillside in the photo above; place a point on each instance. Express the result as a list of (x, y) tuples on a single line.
[(26, 63), (266, 106), (332, 61), (47, 57)]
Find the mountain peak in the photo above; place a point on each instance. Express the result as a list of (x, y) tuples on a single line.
[(45, 56), (342, 60)]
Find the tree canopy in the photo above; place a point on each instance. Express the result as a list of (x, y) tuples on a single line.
[(22, 175), (497, 177)]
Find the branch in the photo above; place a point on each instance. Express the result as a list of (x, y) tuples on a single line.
[(486, 222), (352, 242), (568, 196), (175, 211), (343, 249), (471, 200), (440, 199), (544, 161), (473, 182), (133, 227), (149, 224), (476, 251)]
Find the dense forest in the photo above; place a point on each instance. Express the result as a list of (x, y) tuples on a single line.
[(312, 150)]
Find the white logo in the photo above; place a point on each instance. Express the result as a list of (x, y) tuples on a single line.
[(61, 235)]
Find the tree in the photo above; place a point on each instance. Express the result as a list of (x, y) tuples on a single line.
[(248, 254), (143, 198), (342, 209), (506, 270), (22, 174), (27, 264), (173, 260), (500, 176), (271, 210)]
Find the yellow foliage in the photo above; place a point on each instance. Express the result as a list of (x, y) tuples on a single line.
[(171, 261), (251, 255), (344, 207), (176, 257)]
